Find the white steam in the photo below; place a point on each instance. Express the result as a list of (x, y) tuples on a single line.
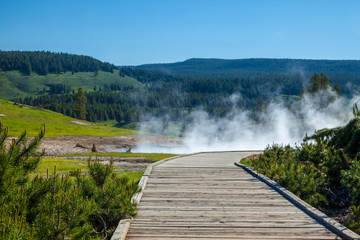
[(275, 124)]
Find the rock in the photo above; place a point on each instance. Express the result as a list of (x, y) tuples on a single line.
[(93, 149), (80, 146)]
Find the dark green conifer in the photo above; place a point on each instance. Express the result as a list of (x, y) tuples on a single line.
[(80, 104)]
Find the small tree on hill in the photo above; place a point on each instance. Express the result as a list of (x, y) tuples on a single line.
[(319, 82), (80, 104)]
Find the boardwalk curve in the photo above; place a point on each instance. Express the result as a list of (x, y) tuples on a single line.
[(204, 196)]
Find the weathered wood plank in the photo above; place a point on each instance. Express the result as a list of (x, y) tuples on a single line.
[(228, 215), (245, 197), (183, 231), (206, 194), (199, 180), (205, 219), (162, 237), (226, 224), (218, 191), (222, 208), (190, 187), (155, 236), (192, 203), (213, 198)]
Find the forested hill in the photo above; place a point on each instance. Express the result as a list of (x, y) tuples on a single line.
[(221, 68), (42, 62)]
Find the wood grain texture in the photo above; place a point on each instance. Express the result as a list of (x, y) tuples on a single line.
[(205, 196)]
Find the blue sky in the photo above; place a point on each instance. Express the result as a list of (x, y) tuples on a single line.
[(133, 32)]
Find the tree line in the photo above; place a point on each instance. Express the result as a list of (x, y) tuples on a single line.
[(176, 99), (172, 98), (44, 62), (225, 68)]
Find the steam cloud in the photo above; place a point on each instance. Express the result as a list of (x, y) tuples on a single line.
[(275, 124)]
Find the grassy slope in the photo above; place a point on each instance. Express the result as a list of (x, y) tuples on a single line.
[(19, 118), (14, 83)]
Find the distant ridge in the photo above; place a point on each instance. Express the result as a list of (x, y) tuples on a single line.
[(230, 68), (44, 62)]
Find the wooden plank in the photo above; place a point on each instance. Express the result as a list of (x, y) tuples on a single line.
[(238, 184), (185, 170), (214, 174), (214, 180), (222, 208), (264, 224), (192, 203), (218, 191), (240, 216), (232, 231), (206, 234), (194, 187), (226, 215), (162, 237), (207, 194), (198, 171), (216, 198), (199, 176), (180, 195)]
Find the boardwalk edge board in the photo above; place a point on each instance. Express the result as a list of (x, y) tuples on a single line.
[(124, 224), (330, 223), (122, 229)]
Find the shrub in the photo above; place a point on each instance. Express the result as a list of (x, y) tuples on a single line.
[(112, 195), (281, 164), (351, 179), (58, 206), (16, 162)]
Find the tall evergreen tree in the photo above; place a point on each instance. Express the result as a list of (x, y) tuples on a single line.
[(319, 82), (80, 104), (337, 88)]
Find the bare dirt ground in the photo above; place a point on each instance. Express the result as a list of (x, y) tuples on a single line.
[(128, 164), (84, 144), (82, 123)]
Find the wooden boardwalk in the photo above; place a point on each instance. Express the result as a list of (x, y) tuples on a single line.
[(205, 196)]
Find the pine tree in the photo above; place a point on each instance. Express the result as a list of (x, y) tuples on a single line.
[(318, 82), (17, 161), (80, 104), (27, 69), (337, 88), (119, 116)]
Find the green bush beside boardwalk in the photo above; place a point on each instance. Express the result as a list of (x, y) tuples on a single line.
[(74, 206), (324, 170)]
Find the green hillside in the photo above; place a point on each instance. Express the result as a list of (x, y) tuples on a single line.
[(15, 83), (18, 118), (230, 68), (269, 70)]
